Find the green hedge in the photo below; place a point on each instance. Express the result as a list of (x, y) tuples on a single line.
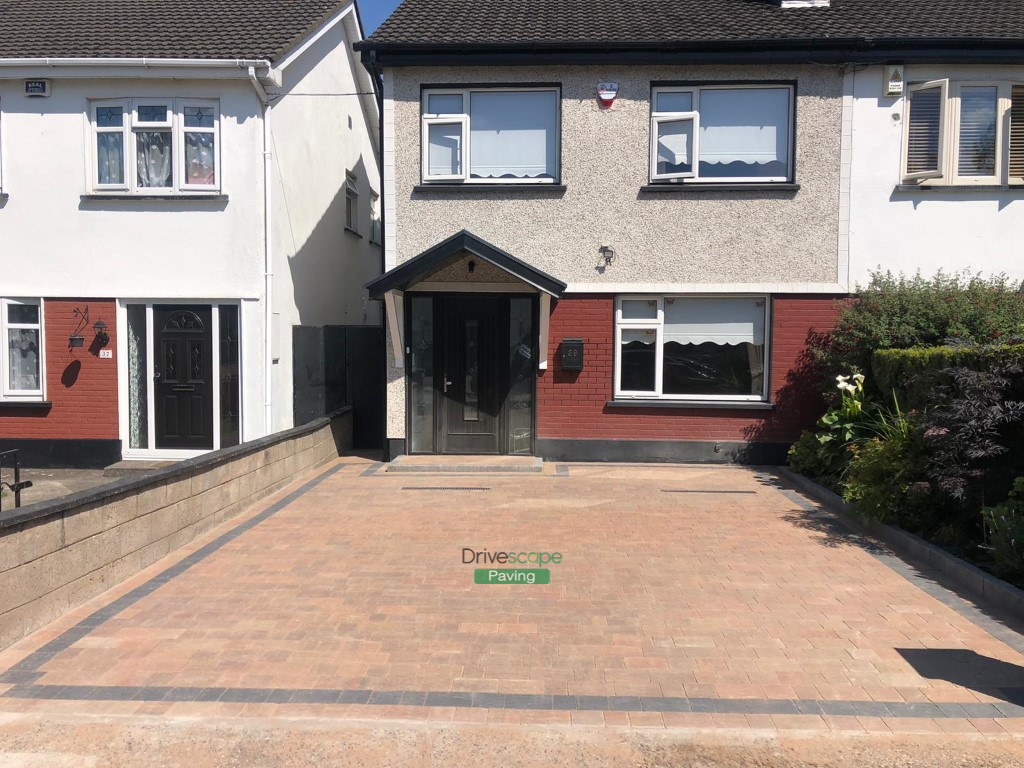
[(899, 370)]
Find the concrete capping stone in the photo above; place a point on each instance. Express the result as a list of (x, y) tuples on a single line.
[(56, 555), (977, 583)]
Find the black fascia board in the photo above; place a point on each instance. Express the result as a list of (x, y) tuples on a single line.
[(404, 275), (810, 50)]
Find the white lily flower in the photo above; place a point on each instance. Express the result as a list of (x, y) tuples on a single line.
[(842, 379), (859, 378)]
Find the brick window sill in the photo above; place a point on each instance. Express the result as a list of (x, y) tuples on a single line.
[(730, 405)]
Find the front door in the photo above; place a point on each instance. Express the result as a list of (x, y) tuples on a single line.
[(183, 376), (470, 375)]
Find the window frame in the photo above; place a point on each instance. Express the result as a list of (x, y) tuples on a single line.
[(375, 228), (7, 393), (132, 125), (694, 90), (126, 144), (351, 202), (179, 138), (658, 325), (949, 134), (463, 119)]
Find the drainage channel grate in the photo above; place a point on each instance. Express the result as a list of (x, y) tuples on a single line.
[(688, 490), (442, 488)]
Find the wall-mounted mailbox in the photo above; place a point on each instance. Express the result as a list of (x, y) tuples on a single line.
[(572, 354)]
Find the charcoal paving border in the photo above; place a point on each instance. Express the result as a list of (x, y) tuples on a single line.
[(24, 675)]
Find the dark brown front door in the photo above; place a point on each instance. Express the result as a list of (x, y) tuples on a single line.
[(183, 373), (470, 375)]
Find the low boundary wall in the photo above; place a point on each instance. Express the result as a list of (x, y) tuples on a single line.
[(57, 554)]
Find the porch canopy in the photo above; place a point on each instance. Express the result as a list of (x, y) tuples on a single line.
[(392, 284), (416, 268)]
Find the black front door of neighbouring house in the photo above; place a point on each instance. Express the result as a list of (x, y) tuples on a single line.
[(470, 374), (183, 376)]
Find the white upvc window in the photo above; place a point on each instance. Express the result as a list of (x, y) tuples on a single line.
[(692, 347), (351, 202), (147, 146), (374, 218), (722, 133), (963, 133), (490, 135), (22, 366)]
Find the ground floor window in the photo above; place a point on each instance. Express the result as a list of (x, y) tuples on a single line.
[(691, 347), (183, 376), (21, 368)]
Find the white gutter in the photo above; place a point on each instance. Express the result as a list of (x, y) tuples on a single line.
[(268, 263), (268, 75)]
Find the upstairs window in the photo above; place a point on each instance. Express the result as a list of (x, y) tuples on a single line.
[(155, 146), (964, 133), (374, 218), (22, 366), (490, 136), (351, 202), (726, 134)]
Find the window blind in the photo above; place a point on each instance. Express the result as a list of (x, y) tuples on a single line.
[(1017, 132), (923, 131)]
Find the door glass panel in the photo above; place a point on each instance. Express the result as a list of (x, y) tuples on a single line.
[(521, 367), (138, 396), (471, 401), (170, 361), (421, 374), (229, 379), (195, 361)]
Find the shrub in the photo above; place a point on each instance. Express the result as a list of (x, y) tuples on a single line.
[(970, 430), (1004, 534), (884, 481), (913, 374), (904, 312)]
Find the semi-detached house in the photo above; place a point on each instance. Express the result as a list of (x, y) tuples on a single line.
[(611, 226), (180, 185)]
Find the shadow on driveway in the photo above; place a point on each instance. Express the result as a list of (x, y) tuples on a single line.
[(968, 669)]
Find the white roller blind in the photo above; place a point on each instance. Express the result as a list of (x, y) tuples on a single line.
[(719, 321), (513, 134), (675, 141), (748, 125)]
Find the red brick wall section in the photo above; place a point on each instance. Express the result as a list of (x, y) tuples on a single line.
[(81, 385), (574, 405)]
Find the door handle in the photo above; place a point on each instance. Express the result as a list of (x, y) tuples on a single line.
[(447, 384), (156, 375)]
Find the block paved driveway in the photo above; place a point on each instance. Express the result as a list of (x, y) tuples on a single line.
[(686, 596)]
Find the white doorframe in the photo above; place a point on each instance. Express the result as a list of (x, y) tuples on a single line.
[(124, 414)]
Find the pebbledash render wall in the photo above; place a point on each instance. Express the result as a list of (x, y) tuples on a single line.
[(573, 407), (708, 237), (81, 390)]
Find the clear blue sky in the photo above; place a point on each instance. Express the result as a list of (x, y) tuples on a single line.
[(373, 12)]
